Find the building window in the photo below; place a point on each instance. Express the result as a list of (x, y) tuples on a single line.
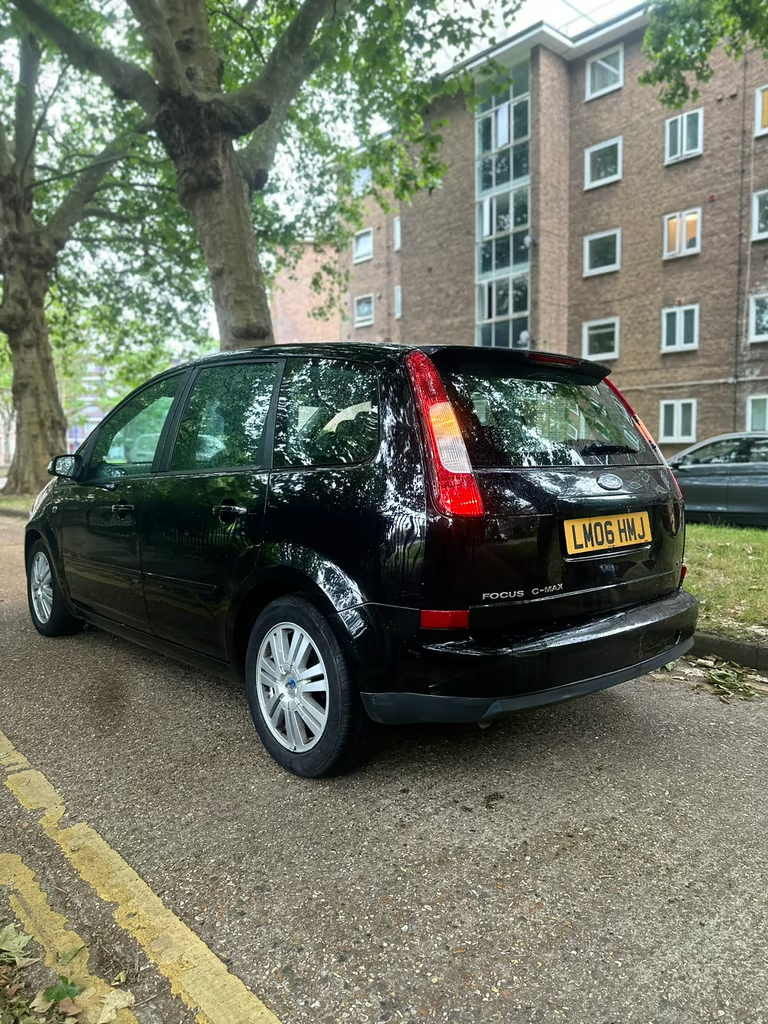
[(679, 328), (361, 180), (600, 339), (758, 318), (605, 72), (363, 246), (761, 111), (682, 233), (363, 310), (677, 421), (684, 136), (757, 412), (397, 240), (503, 134), (602, 252), (503, 312), (602, 163), (503, 222), (398, 302), (759, 215)]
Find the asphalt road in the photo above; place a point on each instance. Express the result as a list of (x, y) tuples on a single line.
[(602, 861)]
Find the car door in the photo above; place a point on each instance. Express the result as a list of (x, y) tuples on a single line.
[(748, 485), (704, 474), (205, 509), (101, 511)]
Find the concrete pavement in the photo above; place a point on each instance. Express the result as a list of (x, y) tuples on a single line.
[(601, 861)]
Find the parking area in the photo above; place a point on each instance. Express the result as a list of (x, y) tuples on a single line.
[(602, 860)]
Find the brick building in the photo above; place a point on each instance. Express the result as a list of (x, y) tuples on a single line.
[(578, 214), (293, 301)]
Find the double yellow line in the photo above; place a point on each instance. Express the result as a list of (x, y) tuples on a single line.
[(196, 974)]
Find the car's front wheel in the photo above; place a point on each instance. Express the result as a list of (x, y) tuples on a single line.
[(47, 606), (303, 702)]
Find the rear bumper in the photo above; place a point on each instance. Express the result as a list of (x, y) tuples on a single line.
[(466, 681)]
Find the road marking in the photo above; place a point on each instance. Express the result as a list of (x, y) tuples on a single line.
[(196, 974), (30, 905)]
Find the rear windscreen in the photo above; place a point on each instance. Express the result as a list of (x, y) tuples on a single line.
[(539, 416)]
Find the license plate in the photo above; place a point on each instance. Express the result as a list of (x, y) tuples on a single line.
[(602, 533)]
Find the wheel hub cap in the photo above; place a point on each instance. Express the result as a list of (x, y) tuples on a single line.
[(41, 586)]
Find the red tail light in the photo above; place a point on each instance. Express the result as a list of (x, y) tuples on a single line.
[(454, 488), (445, 620), (683, 574)]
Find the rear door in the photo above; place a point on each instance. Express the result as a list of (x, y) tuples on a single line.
[(581, 514), (205, 511), (705, 473), (748, 484)]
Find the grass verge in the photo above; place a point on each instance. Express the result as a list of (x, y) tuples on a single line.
[(17, 503), (727, 572)]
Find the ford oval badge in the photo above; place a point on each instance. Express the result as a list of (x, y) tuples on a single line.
[(610, 482)]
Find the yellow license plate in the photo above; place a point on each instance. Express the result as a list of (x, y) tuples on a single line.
[(601, 533)]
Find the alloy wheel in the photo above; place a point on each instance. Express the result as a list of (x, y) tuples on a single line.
[(41, 586)]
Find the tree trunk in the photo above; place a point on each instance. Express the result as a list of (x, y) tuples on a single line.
[(41, 427), (218, 203)]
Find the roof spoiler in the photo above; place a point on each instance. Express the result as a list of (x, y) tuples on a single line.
[(594, 372)]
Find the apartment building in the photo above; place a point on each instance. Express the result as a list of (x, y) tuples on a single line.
[(580, 215)]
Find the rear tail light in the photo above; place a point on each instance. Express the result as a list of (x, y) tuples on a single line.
[(454, 488), (445, 620), (683, 574)]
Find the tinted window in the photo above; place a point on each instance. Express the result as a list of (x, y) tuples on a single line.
[(758, 450), (529, 416), (717, 453), (224, 421), (328, 413), (128, 441)]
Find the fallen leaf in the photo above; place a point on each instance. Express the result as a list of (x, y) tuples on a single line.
[(120, 979), (40, 1003), (63, 989), (70, 1008), (11, 990), (69, 954), (13, 941), (120, 1000)]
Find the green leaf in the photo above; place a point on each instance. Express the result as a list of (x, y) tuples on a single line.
[(63, 989), (69, 954)]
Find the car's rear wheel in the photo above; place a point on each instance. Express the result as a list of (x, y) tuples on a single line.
[(303, 702), (50, 615)]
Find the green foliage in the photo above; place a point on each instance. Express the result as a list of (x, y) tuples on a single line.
[(63, 989), (683, 33)]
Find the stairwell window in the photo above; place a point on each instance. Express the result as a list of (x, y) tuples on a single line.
[(398, 302), (363, 311), (758, 318), (682, 233), (602, 252), (684, 136), (397, 237), (600, 339), (605, 72), (757, 412), (363, 246), (759, 215), (677, 421), (680, 328), (603, 163), (761, 111)]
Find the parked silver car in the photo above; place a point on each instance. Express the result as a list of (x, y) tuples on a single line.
[(725, 479)]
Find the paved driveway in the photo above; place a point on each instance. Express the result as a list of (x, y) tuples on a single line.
[(602, 861)]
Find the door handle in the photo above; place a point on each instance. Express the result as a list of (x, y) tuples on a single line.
[(226, 512), (122, 510)]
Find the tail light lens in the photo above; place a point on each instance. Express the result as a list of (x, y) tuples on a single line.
[(445, 620), (454, 488)]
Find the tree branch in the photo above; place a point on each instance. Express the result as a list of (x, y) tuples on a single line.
[(6, 160), (24, 119), (44, 113), (74, 204), (168, 69), (98, 213), (127, 81)]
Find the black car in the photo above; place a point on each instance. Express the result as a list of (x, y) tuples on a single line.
[(372, 531), (725, 479)]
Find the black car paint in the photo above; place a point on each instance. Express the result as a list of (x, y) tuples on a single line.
[(366, 544)]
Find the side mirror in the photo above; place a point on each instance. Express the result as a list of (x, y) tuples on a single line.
[(67, 466)]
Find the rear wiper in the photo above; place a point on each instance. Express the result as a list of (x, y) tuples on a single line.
[(596, 448)]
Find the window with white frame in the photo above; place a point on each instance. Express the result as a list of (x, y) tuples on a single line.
[(603, 163), (761, 111), (677, 421), (758, 318), (361, 180), (503, 129), (760, 215), (605, 72), (503, 222), (363, 310), (684, 136), (502, 313), (682, 233), (398, 302), (757, 412), (363, 246), (680, 328), (397, 239), (602, 252), (600, 339)]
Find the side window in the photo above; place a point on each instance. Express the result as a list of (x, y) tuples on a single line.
[(758, 450), (128, 440), (328, 413), (223, 424), (718, 453)]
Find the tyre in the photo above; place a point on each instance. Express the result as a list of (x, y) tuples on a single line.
[(304, 705), (49, 611)]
